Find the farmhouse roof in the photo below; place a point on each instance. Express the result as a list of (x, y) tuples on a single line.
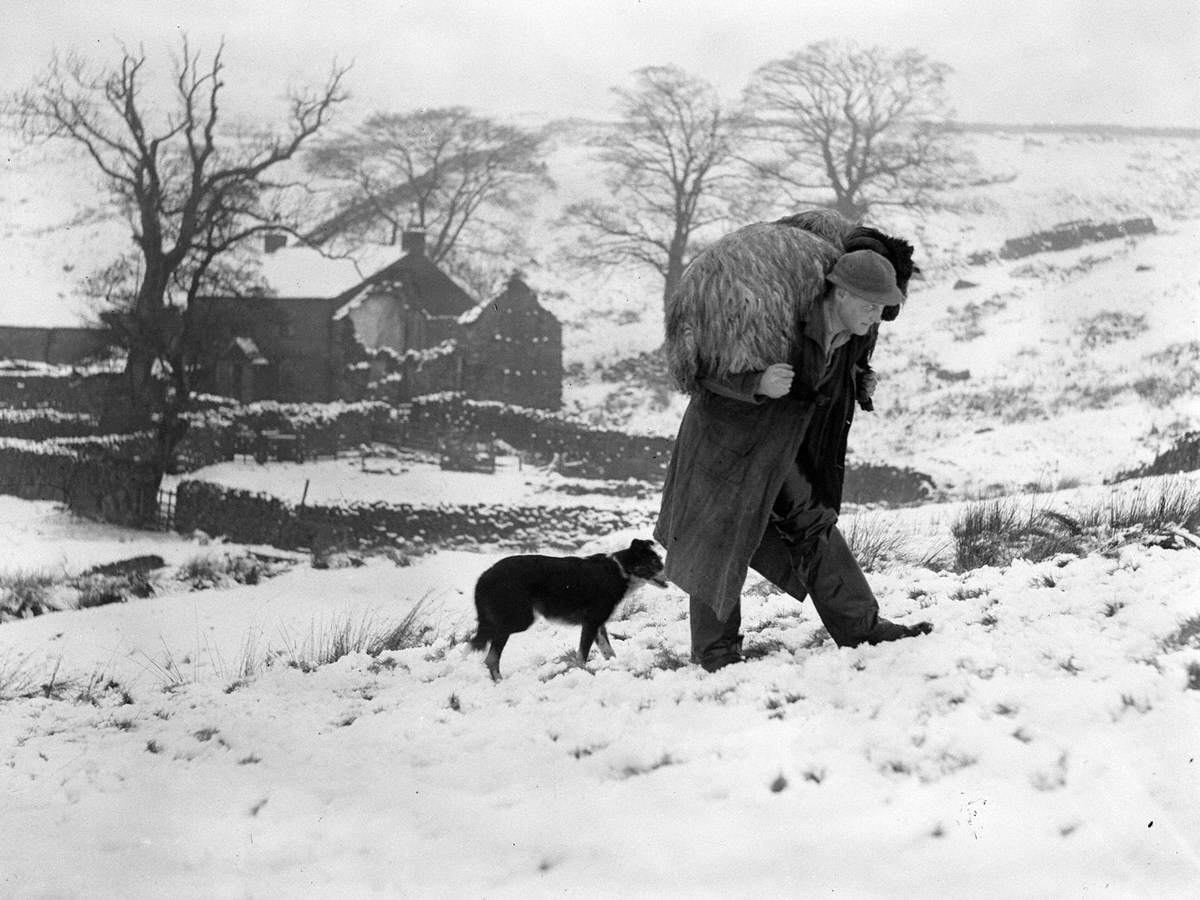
[(516, 294), (421, 282)]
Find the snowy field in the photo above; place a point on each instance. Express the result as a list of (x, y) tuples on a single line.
[(1041, 742)]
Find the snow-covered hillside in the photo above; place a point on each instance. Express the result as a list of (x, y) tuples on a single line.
[(1060, 368), (1027, 184), (56, 229), (1053, 369), (1041, 742)]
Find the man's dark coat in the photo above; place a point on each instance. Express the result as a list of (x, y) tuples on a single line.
[(752, 299)]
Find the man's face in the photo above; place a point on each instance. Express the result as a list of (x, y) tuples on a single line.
[(856, 314)]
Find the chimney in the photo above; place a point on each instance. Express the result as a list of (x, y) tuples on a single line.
[(413, 241), (273, 242)]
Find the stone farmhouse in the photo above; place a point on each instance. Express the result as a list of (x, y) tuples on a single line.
[(405, 331)]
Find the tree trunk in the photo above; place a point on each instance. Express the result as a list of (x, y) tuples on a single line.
[(135, 398), (140, 395), (674, 269)]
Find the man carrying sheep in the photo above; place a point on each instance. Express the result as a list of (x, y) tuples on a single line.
[(768, 332)]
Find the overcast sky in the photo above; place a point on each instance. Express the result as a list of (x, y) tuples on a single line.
[(1126, 62)]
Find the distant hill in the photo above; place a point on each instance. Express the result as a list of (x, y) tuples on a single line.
[(1103, 130)]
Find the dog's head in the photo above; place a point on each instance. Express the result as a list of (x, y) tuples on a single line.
[(896, 250), (642, 561)]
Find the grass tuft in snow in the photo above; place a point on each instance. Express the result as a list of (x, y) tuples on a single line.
[(1172, 502), (25, 594), (168, 669), (991, 533), (632, 771), (411, 631), (213, 570), (873, 541), (630, 607), (97, 686), (341, 637), (249, 662), (666, 659), (100, 590), (1187, 635), (329, 642), (19, 679), (995, 532)]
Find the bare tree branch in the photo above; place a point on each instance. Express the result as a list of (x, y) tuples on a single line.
[(670, 171), (191, 194), (851, 128), (460, 177)]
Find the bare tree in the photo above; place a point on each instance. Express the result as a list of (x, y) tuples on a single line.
[(464, 179), (191, 191), (670, 169), (851, 128)]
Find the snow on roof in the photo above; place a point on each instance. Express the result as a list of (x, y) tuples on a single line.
[(472, 314)]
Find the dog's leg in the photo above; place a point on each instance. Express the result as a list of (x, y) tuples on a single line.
[(493, 657), (603, 643), (586, 638)]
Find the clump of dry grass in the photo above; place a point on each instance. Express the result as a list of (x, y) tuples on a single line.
[(1171, 502), (995, 532), (365, 634), (219, 570), (26, 594), (873, 541), (21, 678)]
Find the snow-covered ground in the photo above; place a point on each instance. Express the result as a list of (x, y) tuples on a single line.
[(1041, 742)]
